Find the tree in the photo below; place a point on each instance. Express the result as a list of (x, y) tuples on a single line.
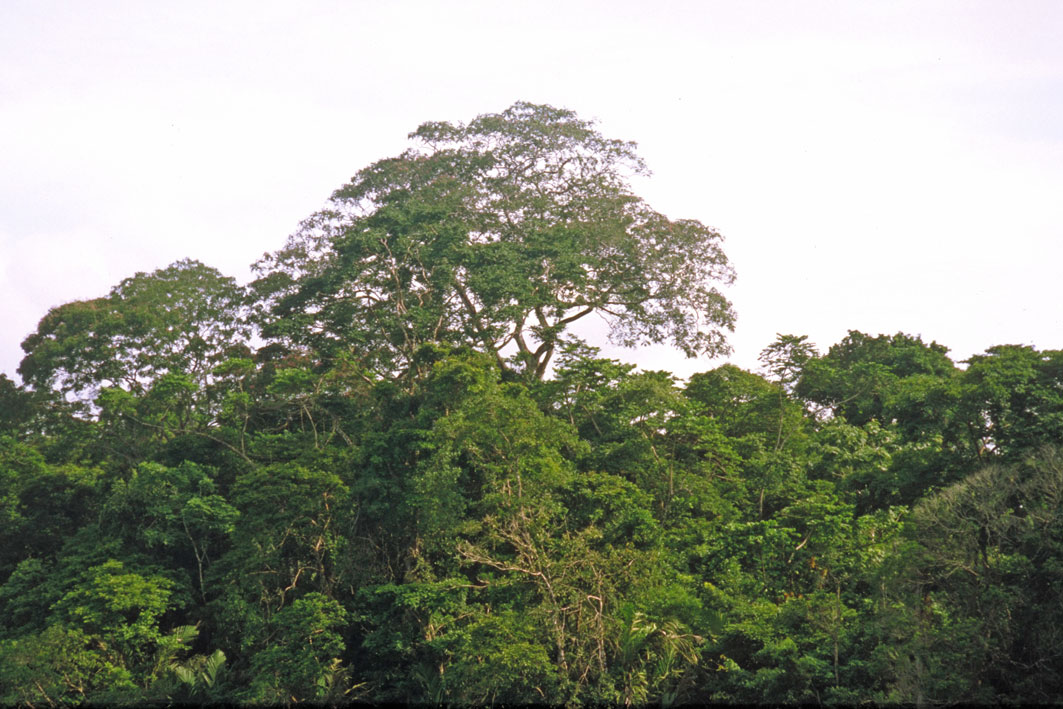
[(285, 544), (301, 661), (863, 377), (498, 233), (39, 503), (979, 580), (1011, 400), (16, 406), (176, 320), (784, 359), (765, 428), (170, 512), (57, 666), (123, 607), (909, 390)]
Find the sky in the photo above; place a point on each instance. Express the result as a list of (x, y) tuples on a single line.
[(882, 167)]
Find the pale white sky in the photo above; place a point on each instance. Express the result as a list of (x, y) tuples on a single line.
[(875, 166)]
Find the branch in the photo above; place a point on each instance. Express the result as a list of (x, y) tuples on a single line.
[(475, 317), (572, 318), (157, 427)]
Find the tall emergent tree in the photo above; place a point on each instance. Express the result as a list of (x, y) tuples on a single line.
[(497, 233)]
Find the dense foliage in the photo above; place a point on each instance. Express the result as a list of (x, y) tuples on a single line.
[(416, 486)]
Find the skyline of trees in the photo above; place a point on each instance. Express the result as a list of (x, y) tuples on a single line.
[(387, 471)]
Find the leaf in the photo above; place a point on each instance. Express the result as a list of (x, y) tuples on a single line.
[(184, 674), (213, 665)]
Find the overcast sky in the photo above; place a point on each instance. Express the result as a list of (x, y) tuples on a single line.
[(884, 167)]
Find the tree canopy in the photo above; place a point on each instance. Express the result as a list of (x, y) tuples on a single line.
[(182, 319), (499, 233), (388, 496)]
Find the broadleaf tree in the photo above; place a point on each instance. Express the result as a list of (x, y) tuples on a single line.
[(181, 319), (498, 233)]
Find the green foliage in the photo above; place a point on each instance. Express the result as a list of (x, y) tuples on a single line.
[(20, 598), (982, 569), (859, 377), (395, 500), (177, 320), (301, 661), (284, 545), (785, 359), (651, 658), (172, 513), (496, 659), (1012, 398), (58, 666), (490, 453), (201, 677), (123, 607), (39, 503), (502, 231), (605, 535), (16, 407), (435, 645)]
